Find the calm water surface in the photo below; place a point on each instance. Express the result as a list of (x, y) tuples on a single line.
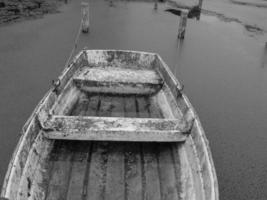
[(222, 67)]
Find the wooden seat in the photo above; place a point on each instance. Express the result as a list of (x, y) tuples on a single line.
[(116, 129), (118, 80)]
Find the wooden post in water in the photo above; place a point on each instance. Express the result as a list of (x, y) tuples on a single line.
[(85, 17), (264, 59), (200, 4), (199, 7), (156, 5), (182, 24), (20, 7)]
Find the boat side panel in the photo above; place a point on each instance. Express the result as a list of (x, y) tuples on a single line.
[(190, 182), (199, 142), (20, 156), (166, 102), (206, 167), (66, 100), (34, 178), (31, 130)]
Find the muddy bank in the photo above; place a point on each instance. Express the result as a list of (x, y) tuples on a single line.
[(246, 13), (252, 28), (14, 10), (256, 3)]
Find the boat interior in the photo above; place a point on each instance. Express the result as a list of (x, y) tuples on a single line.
[(101, 170), (68, 169)]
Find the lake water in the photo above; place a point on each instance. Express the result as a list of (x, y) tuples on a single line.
[(222, 66)]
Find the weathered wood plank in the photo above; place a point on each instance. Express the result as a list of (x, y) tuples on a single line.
[(41, 177), (104, 106), (117, 106), (98, 171), (177, 168), (165, 107), (117, 87), (115, 173), (117, 129), (187, 182), (118, 80), (152, 189), (31, 184), (66, 100), (58, 185), (114, 74), (133, 172), (81, 153), (133, 163), (130, 106), (153, 108), (121, 59), (92, 105), (141, 107), (167, 172), (80, 106), (17, 163)]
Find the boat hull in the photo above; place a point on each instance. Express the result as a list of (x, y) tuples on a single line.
[(64, 168)]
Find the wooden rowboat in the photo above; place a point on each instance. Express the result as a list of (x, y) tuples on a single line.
[(115, 125)]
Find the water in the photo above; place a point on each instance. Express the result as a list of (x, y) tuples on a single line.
[(222, 67)]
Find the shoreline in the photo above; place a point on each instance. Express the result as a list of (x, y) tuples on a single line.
[(13, 11)]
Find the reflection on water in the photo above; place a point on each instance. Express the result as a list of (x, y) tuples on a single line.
[(220, 66), (178, 58), (264, 57)]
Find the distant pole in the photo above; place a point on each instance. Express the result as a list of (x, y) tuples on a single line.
[(156, 5), (264, 59), (199, 7), (182, 24), (85, 17), (200, 4), (110, 3), (20, 7)]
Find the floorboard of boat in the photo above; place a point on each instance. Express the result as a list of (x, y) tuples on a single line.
[(116, 106), (113, 170)]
